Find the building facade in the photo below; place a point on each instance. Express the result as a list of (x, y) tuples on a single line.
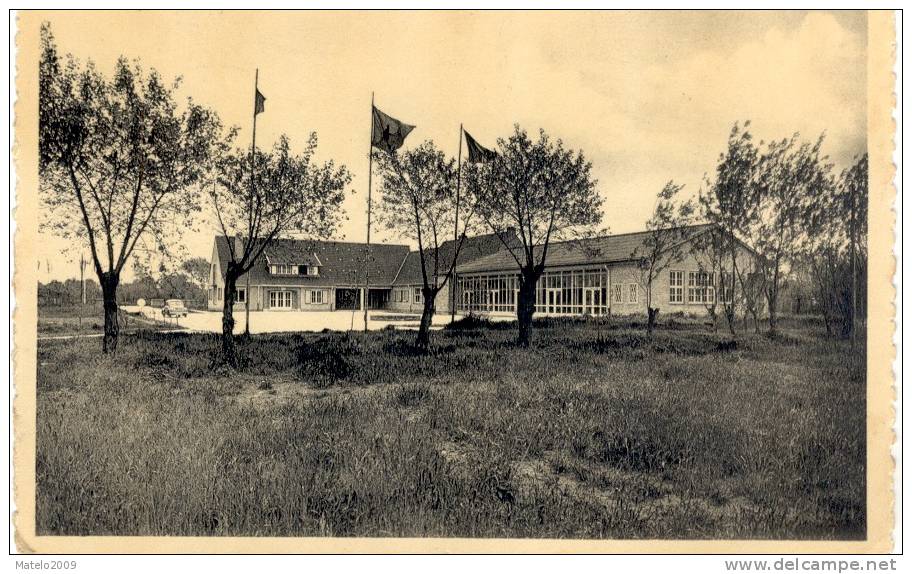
[(605, 275), (306, 275), (595, 276)]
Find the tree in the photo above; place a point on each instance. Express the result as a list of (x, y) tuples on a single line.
[(118, 161), (790, 174), (727, 202), (834, 247), (546, 193), (419, 202), (853, 201), (662, 245), (197, 270), (289, 194)]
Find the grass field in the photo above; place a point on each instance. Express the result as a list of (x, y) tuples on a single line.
[(595, 432), (89, 320)]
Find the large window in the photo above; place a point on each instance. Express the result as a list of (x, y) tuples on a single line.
[(281, 299), (676, 287), (700, 287), (572, 291)]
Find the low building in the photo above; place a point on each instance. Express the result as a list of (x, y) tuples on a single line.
[(603, 275), (309, 275)]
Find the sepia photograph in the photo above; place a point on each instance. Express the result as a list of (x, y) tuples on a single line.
[(418, 281)]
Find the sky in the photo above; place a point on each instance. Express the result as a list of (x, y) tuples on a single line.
[(647, 96)]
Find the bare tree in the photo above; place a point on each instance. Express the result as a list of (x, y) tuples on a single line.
[(118, 160), (289, 194), (419, 202), (662, 245), (544, 192)]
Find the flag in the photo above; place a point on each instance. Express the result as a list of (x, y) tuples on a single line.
[(259, 103), (477, 152), (387, 132)]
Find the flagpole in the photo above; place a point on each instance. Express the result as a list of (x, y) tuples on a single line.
[(365, 295), (456, 226), (256, 88)]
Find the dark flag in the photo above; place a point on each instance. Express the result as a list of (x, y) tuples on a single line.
[(259, 103), (388, 133), (477, 152)]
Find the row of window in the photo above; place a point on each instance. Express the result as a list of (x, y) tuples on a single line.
[(575, 291), (288, 269), (279, 299), (284, 298), (700, 289), (625, 293), (407, 295)]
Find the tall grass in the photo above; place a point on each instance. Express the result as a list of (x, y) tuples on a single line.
[(594, 432)]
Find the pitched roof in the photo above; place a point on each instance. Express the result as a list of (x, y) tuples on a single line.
[(341, 263), (589, 251), (472, 248)]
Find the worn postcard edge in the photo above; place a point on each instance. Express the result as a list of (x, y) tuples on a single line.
[(880, 376)]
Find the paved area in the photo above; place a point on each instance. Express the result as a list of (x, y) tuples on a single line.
[(285, 321)]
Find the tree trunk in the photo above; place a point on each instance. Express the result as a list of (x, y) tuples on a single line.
[(652, 314), (525, 307), (229, 351), (423, 340), (771, 300), (729, 309), (109, 281)]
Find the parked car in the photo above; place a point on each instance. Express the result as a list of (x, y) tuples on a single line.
[(174, 308)]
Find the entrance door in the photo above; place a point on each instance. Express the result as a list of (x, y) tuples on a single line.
[(592, 300), (348, 299)]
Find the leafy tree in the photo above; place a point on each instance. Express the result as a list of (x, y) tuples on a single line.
[(853, 203), (197, 270), (419, 202), (728, 202), (834, 247), (663, 243), (118, 160), (543, 191), (289, 193), (790, 174)]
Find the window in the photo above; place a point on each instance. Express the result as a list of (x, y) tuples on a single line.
[(700, 288), (725, 287), (417, 295), (240, 295), (676, 287), (283, 269), (280, 299), (633, 293), (315, 296), (617, 293), (313, 270)]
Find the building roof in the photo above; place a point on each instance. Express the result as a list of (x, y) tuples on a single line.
[(473, 248), (341, 263), (588, 251)]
